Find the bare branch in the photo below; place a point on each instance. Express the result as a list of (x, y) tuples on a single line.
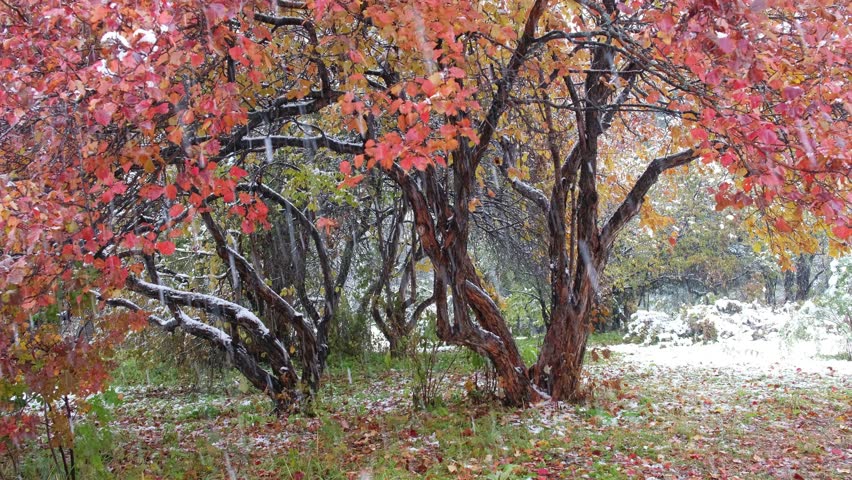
[(525, 190), (280, 141), (280, 21), (631, 204), (243, 361), (504, 85)]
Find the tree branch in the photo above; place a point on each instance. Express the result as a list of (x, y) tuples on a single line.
[(243, 361), (504, 85), (281, 21), (631, 204), (279, 141), (418, 311), (525, 190)]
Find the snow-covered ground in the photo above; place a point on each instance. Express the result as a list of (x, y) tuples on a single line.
[(748, 358), (746, 339)]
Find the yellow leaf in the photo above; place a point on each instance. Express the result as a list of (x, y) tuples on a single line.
[(424, 265)]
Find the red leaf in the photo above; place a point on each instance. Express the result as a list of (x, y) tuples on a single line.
[(767, 135), (456, 72), (355, 56), (726, 44), (196, 60), (665, 22), (346, 168), (842, 231), (421, 163), (699, 133), (151, 192), (166, 248), (176, 210), (162, 108), (171, 192), (215, 13), (428, 88), (211, 147), (782, 225), (103, 115), (238, 173), (791, 93), (247, 226)]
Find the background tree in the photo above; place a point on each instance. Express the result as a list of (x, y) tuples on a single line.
[(682, 251), (395, 257)]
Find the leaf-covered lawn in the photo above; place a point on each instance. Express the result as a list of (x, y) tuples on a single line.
[(643, 422)]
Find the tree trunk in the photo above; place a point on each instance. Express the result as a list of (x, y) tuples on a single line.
[(560, 363), (394, 326), (770, 283), (397, 334), (803, 277), (789, 286)]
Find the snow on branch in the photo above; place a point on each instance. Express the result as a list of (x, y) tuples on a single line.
[(279, 141)]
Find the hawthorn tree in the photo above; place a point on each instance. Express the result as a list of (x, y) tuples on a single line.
[(674, 80), (128, 125), (121, 125)]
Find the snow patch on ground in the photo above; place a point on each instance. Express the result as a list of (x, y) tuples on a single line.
[(748, 339), (748, 359)]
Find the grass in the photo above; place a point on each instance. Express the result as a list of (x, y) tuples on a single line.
[(640, 423)]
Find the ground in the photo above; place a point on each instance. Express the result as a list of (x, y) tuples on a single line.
[(651, 414)]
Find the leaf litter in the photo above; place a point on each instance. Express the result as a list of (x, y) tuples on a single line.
[(650, 413)]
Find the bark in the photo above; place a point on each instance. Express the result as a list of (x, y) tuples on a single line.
[(281, 385), (789, 286), (251, 279), (332, 285), (803, 277)]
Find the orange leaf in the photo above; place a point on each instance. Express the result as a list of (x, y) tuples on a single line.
[(325, 223), (471, 205), (351, 181)]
